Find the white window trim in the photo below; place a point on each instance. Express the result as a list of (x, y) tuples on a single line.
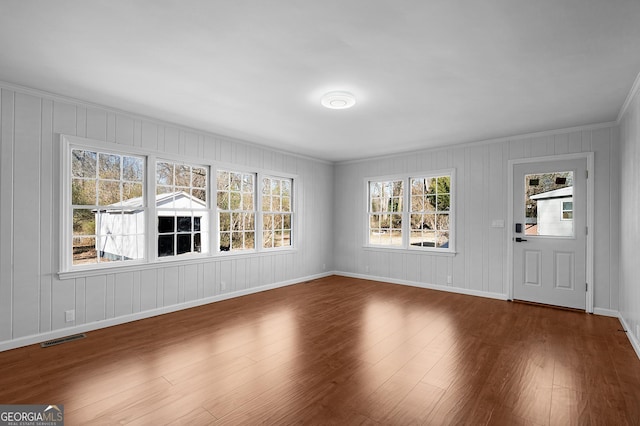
[(152, 241), (151, 260), (406, 200), (294, 215), (216, 211), (295, 221)]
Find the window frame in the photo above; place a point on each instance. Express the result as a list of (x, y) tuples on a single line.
[(66, 207), (260, 174), (66, 269), (291, 212), (206, 211), (406, 212), (217, 211)]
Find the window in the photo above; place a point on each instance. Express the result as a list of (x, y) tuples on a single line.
[(548, 204), (107, 207), (126, 206), (181, 209), (567, 210), (236, 210), (417, 218), (385, 212), (430, 204), (276, 212)]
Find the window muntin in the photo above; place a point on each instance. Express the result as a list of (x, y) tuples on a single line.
[(277, 212), (107, 207), (386, 199), (411, 212), (236, 210), (181, 208), (430, 205)]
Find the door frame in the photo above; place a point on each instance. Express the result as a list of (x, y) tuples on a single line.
[(590, 219)]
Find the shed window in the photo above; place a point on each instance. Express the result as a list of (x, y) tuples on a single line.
[(567, 210)]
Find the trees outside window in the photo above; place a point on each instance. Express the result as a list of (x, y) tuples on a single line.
[(106, 189), (236, 210), (277, 212), (420, 217), (128, 204)]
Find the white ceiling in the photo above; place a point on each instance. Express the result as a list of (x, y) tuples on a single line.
[(425, 72)]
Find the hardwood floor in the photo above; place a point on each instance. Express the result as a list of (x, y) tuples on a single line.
[(340, 351)]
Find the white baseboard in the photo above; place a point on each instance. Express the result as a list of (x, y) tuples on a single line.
[(606, 312), (458, 290), (630, 335), (83, 328)]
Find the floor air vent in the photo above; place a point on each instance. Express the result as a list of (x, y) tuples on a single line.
[(63, 340)]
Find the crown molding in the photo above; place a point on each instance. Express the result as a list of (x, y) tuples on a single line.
[(586, 127), (632, 93)]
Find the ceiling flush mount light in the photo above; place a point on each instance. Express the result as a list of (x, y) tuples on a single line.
[(338, 100)]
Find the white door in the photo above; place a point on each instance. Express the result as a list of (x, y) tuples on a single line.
[(549, 236)]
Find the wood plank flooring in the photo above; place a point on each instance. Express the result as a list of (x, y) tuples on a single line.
[(340, 351)]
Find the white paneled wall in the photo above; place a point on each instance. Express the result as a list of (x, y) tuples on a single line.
[(481, 197), (629, 217), (32, 297)]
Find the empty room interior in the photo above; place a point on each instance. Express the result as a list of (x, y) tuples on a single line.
[(336, 212)]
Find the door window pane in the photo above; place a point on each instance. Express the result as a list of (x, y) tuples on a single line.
[(549, 204)]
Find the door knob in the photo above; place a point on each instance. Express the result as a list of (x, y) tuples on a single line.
[(520, 240)]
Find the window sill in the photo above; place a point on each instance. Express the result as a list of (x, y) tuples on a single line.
[(427, 252), (166, 263)]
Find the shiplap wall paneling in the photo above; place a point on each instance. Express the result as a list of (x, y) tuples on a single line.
[(63, 299), (473, 190), (459, 274), (615, 186), (80, 298), (6, 214), (602, 242), (629, 218), (123, 294), (26, 215), (97, 124), (171, 286), (496, 209), (96, 298), (47, 225)]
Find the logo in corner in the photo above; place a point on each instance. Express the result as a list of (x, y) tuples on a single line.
[(31, 415)]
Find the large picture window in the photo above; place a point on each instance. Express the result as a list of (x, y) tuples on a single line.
[(412, 212)]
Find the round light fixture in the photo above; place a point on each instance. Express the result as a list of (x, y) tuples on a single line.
[(338, 100)]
